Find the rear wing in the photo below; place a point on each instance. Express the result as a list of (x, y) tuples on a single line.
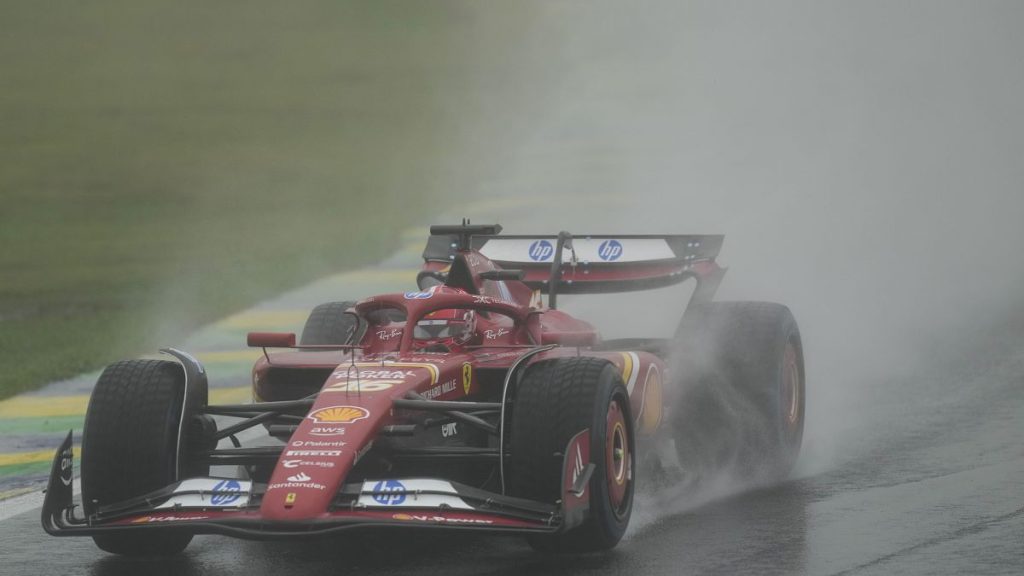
[(595, 264)]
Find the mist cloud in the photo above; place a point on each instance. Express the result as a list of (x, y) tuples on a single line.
[(863, 160)]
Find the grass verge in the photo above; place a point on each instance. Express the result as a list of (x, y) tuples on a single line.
[(166, 164)]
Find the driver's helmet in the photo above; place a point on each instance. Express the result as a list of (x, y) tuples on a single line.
[(449, 327)]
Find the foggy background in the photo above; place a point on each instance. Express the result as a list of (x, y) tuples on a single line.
[(864, 161)]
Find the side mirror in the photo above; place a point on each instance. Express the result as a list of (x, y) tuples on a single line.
[(270, 339)]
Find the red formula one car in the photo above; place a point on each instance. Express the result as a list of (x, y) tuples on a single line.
[(464, 404)]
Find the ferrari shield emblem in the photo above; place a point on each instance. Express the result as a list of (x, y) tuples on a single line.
[(467, 377)]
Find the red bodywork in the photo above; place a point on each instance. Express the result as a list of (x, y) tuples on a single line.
[(358, 396), (358, 389)]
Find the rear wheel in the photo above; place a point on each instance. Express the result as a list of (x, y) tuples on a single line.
[(555, 400), (328, 324), (129, 447), (741, 390)]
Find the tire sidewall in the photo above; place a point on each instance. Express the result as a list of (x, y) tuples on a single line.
[(769, 393), (161, 460), (733, 353), (610, 525), (124, 456), (790, 438), (556, 399)]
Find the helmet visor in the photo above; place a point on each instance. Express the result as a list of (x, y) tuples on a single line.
[(437, 329)]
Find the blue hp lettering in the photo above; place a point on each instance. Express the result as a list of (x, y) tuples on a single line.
[(226, 492), (541, 250), (389, 492), (610, 250)]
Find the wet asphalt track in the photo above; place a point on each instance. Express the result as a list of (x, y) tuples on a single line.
[(929, 481)]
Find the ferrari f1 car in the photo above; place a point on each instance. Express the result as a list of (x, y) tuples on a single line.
[(468, 403)]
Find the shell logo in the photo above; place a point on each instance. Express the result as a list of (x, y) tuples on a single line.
[(401, 517), (339, 414)]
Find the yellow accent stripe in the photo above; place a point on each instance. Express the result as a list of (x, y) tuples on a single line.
[(16, 492), (627, 367), (38, 406), (31, 457), (229, 356), (378, 275), (233, 395), (217, 357), (29, 406), (651, 402), (264, 318)]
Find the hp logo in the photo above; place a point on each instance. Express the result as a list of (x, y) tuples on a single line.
[(226, 492), (541, 250), (389, 492), (610, 250)]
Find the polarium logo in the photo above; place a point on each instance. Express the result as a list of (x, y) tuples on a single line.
[(389, 492), (610, 250), (541, 250)]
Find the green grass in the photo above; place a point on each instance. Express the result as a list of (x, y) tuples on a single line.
[(165, 164)]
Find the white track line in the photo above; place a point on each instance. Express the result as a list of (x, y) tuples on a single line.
[(25, 502), (34, 500)]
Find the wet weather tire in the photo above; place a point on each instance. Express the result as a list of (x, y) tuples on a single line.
[(554, 401), (129, 447), (328, 324), (740, 390)]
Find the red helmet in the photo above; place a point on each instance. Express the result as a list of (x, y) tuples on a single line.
[(450, 327)]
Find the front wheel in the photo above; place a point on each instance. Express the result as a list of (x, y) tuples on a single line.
[(129, 447), (554, 401)]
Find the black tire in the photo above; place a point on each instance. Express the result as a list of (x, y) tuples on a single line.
[(554, 401), (741, 390), (129, 447), (328, 324)]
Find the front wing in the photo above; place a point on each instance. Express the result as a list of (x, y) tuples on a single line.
[(231, 506)]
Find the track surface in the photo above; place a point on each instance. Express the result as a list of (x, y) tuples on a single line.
[(933, 487)]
